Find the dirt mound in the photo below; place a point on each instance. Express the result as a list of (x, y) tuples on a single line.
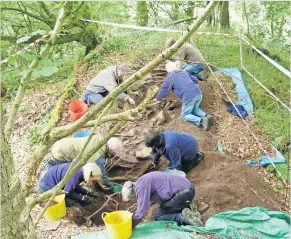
[(226, 184)]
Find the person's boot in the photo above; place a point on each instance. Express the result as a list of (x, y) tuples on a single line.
[(205, 123), (211, 119), (199, 157), (190, 218)]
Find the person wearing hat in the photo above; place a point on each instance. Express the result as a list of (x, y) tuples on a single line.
[(105, 82), (173, 193), (185, 87), (66, 149), (181, 150), (90, 172), (189, 59)]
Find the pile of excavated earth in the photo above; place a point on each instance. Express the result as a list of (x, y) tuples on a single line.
[(222, 182)]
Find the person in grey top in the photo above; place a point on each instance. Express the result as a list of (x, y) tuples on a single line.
[(190, 59), (105, 82)]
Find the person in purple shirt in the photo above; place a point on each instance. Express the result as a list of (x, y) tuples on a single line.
[(185, 87), (173, 193), (181, 150), (50, 177)]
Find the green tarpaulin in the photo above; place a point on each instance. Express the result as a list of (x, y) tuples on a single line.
[(250, 222)]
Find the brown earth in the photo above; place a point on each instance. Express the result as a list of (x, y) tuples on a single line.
[(223, 182)]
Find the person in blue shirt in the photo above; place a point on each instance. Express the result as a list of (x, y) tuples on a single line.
[(181, 150), (90, 172), (185, 87)]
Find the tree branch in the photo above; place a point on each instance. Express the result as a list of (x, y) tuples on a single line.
[(179, 21), (28, 14), (21, 89)]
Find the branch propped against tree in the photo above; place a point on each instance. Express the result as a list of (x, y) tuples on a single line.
[(128, 115)]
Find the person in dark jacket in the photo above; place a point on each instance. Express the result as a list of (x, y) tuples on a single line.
[(90, 172), (181, 150), (173, 193), (185, 87)]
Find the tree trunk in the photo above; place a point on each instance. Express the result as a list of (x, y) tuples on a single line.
[(247, 20), (190, 9), (15, 219), (224, 14), (142, 17)]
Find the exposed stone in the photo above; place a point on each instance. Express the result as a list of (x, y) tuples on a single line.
[(202, 206), (143, 154)]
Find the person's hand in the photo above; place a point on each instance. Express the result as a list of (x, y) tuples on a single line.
[(131, 101), (92, 193), (116, 189), (87, 200)]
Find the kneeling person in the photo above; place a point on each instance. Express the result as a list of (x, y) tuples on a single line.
[(90, 172), (181, 150), (174, 193), (65, 150)]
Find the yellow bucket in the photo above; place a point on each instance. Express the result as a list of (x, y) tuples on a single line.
[(118, 224), (57, 211)]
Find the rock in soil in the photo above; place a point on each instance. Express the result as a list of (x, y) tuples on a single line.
[(145, 153)]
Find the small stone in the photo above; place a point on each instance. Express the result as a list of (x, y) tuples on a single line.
[(239, 201), (202, 207), (143, 154)]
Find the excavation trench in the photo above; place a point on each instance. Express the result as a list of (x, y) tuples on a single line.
[(223, 182)]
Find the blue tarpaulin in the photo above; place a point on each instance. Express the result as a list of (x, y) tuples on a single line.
[(242, 93), (265, 161)]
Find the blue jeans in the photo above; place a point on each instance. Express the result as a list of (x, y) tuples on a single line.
[(191, 111), (171, 210), (193, 69), (91, 98), (101, 164)]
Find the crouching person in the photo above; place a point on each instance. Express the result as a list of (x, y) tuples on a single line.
[(90, 172), (173, 193), (181, 150), (185, 87), (65, 150)]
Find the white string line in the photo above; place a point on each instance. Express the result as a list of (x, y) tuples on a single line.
[(281, 68), (264, 87), (157, 29), (249, 128)]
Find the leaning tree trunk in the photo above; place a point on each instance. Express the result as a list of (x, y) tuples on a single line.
[(142, 16), (15, 219)]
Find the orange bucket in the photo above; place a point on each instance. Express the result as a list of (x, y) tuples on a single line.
[(77, 109)]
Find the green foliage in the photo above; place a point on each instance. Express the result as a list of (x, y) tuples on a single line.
[(11, 60), (282, 168), (47, 71)]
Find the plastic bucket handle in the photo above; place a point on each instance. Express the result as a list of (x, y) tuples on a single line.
[(102, 215)]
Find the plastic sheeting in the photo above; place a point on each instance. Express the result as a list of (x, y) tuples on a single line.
[(242, 93), (265, 160), (250, 222)]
